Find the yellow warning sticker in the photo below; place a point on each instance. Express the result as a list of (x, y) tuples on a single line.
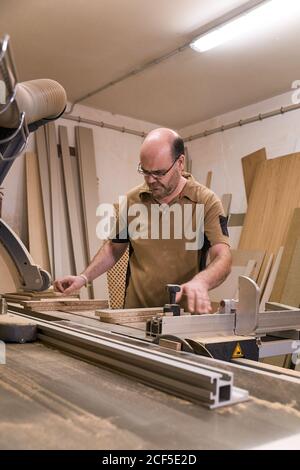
[(237, 351)]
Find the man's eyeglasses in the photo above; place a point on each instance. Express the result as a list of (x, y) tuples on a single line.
[(157, 173)]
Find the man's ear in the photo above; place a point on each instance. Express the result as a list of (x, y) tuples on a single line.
[(182, 162)]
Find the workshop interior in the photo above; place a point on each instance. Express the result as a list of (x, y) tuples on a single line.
[(82, 85)]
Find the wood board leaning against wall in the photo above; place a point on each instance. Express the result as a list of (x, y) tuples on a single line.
[(69, 200), (274, 195)]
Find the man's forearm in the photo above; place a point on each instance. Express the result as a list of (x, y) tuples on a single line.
[(108, 255), (216, 272)]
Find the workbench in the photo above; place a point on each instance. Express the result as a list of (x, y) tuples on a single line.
[(50, 400)]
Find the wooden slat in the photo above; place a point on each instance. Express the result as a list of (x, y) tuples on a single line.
[(236, 220), (55, 200), (166, 343), (249, 164), (242, 257), (266, 275), (289, 248), (208, 179), (58, 304), (267, 367), (270, 283), (90, 198), (45, 185), (291, 291), (126, 320), (226, 202), (122, 313), (227, 290), (74, 209), (187, 161), (37, 236), (63, 255), (275, 195)]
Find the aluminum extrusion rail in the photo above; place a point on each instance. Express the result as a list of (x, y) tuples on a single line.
[(209, 386)]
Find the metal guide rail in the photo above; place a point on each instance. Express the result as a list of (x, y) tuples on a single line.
[(171, 372), (244, 320)]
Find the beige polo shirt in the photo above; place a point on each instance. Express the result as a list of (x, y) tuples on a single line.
[(163, 244)]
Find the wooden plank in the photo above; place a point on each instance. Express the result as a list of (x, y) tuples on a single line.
[(289, 247), (266, 274), (70, 304), (63, 261), (166, 343), (275, 195), (208, 179), (122, 313), (271, 280), (242, 257), (274, 306), (187, 161), (74, 210), (227, 290), (8, 319), (45, 185), (125, 321), (244, 263), (80, 313), (267, 367), (55, 199), (16, 296), (236, 220), (90, 198), (249, 164), (226, 203), (37, 235), (291, 291)]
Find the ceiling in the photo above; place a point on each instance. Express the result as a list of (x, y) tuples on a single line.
[(83, 44)]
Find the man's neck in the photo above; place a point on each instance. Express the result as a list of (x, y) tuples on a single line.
[(175, 193)]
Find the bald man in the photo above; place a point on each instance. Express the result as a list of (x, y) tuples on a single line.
[(157, 260)]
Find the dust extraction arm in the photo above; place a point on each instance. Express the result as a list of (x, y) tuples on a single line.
[(24, 107)]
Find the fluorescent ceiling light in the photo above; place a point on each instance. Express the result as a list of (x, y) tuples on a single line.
[(251, 20)]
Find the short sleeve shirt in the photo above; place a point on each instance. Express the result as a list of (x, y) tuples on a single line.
[(162, 250)]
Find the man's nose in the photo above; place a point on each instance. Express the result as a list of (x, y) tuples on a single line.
[(150, 179)]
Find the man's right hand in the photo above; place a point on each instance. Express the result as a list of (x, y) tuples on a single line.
[(69, 284)]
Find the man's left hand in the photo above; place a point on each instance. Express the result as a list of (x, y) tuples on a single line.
[(196, 292)]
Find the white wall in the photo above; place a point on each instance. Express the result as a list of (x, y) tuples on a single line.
[(222, 152), (117, 153)]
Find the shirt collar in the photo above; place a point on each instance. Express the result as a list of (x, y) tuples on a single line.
[(188, 190)]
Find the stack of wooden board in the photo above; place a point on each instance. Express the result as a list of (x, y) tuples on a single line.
[(272, 223), (63, 304), (62, 224), (133, 315), (274, 195), (32, 295)]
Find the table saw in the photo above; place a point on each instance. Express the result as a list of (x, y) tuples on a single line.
[(175, 382), (243, 403)]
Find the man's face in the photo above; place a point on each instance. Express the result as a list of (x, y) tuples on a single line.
[(157, 160)]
